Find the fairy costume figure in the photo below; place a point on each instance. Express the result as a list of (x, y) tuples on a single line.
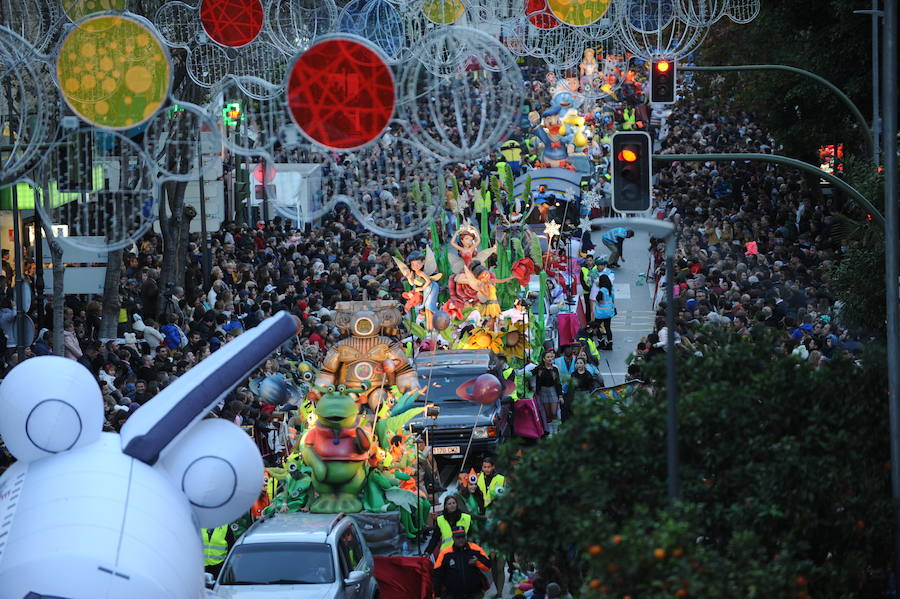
[(484, 282), (469, 240), (419, 272)]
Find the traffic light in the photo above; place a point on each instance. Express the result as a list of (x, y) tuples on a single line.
[(232, 114), (662, 81), (632, 190)]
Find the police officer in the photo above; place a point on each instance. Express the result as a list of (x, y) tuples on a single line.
[(458, 569)]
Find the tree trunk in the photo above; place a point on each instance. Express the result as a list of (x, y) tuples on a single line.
[(59, 295), (172, 215), (109, 321), (184, 234)]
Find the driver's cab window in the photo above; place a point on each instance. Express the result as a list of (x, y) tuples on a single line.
[(350, 551)]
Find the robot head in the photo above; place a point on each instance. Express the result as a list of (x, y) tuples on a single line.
[(368, 319)]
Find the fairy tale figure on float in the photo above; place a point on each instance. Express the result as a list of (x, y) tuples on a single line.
[(419, 272), (559, 126)]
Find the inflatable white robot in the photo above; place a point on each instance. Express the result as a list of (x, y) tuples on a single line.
[(91, 515)]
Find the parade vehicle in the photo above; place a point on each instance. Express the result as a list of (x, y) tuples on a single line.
[(301, 555), (456, 428)]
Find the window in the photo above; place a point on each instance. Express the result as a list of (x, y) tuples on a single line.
[(350, 550), (279, 563)]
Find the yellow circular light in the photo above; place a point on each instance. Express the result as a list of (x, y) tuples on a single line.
[(122, 98)]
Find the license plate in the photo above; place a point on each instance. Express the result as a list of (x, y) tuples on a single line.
[(446, 450)]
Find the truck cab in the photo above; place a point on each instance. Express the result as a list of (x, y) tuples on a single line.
[(459, 426)]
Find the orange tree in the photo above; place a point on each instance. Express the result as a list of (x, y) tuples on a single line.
[(784, 474)]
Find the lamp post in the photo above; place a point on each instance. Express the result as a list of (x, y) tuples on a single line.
[(876, 100)]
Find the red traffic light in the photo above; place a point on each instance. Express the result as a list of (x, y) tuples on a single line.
[(662, 66), (628, 155)]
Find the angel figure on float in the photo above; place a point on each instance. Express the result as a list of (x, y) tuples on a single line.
[(420, 272)]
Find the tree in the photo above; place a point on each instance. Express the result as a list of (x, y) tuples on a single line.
[(828, 40), (782, 467)]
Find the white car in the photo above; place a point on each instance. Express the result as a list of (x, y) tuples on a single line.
[(301, 556)]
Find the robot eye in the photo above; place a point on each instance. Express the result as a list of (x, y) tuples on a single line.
[(341, 388), (218, 468), (42, 415), (330, 388), (292, 467), (308, 377)]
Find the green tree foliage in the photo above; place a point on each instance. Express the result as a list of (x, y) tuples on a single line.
[(783, 472), (825, 38)]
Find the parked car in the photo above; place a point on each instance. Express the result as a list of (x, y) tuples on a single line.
[(299, 555), (460, 424)]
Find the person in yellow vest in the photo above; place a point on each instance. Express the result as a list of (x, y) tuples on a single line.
[(490, 482), (216, 542), (628, 119), (452, 516)]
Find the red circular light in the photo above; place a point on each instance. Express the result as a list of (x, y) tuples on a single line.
[(662, 66), (340, 93), (628, 155), (232, 23)]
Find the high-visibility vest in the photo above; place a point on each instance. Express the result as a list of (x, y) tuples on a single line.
[(481, 201), (588, 274), (613, 235), (489, 492), (592, 347), (604, 307), (465, 520), (215, 545), (628, 119), (520, 383)]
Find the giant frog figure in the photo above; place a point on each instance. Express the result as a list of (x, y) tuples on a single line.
[(369, 354), (337, 448)]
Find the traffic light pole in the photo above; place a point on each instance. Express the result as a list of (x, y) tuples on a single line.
[(867, 131), (837, 182), (889, 91), (664, 230)]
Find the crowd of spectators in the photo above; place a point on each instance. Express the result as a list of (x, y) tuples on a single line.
[(756, 240), (164, 330)]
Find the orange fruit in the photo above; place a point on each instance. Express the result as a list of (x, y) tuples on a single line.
[(595, 584), (861, 524), (617, 539), (659, 553), (678, 552), (502, 526), (604, 589), (681, 593), (801, 581), (595, 549), (613, 568)]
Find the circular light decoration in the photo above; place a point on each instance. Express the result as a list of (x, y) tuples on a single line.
[(540, 15), (78, 9), (340, 93), (232, 23), (26, 82), (443, 12), (113, 71), (578, 12), (101, 185), (465, 97)]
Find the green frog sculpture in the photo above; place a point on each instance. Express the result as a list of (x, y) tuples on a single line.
[(336, 448)]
